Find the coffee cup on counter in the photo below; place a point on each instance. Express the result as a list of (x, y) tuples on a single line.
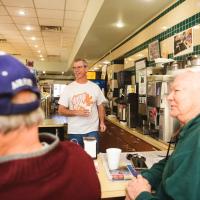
[(113, 157)]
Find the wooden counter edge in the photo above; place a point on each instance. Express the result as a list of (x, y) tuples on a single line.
[(109, 189), (161, 145)]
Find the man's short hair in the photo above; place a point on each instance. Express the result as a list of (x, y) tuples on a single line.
[(81, 59)]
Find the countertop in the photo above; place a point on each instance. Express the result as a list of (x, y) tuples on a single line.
[(156, 143)]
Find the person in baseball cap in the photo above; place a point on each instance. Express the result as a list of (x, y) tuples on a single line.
[(32, 165), (15, 77)]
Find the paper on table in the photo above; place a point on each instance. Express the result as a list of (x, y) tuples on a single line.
[(124, 172)]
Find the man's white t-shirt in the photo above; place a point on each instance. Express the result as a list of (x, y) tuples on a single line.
[(78, 96)]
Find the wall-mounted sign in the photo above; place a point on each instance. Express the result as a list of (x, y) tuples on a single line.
[(140, 67), (154, 50), (91, 75), (183, 43)]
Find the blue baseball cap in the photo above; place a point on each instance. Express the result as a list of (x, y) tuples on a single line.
[(14, 78)]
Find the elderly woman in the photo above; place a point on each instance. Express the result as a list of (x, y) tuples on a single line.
[(178, 177)]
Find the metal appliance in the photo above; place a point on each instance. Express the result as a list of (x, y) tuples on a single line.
[(132, 110), (141, 83), (167, 124), (161, 124), (154, 83)]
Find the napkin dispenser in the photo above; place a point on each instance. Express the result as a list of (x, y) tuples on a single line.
[(90, 146)]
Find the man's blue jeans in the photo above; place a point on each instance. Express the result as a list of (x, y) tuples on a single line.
[(78, 138)]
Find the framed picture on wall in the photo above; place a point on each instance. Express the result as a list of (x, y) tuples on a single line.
[(183, 42), (154, 50)]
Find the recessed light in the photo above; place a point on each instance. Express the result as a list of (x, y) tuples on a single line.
[(43, 72), (120, 24), (21, 12), (42, 59), (39, 51), (62, 73), (140, 55), (36, 46), (164, 27), (41, 56), (33, 38), (28, 28)]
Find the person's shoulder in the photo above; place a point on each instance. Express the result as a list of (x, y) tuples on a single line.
[(72, 84), (74, 149), (93, 84)]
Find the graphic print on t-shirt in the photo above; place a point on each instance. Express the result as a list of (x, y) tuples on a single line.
[(82, 101)]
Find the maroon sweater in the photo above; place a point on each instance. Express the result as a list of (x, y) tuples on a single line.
[(62, 171)]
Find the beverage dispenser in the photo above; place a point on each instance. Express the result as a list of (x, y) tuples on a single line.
[(123, 79), (167, 124), (154, 84), (141, 83)]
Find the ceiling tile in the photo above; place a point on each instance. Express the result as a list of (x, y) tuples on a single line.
[(3, 11), (30, 34), (6, 19), (74, 15), (7, 27), (45, 13), (14, 37), (25, 20), (50, 22), (58, 4), (52, 42), (71, 23), (34, 28), (69, 30), (51, 34), (14, 11), (18, 40), (20, 3), (78, 5), (28, 39)]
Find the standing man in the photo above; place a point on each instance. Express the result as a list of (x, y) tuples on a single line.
[(82, 101), (32, 165)]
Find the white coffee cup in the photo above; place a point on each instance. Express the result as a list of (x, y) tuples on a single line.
[(113, 157)]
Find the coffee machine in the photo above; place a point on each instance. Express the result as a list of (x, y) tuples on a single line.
[(123, 79), (167, 124), (131, 98), (161, 124)]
